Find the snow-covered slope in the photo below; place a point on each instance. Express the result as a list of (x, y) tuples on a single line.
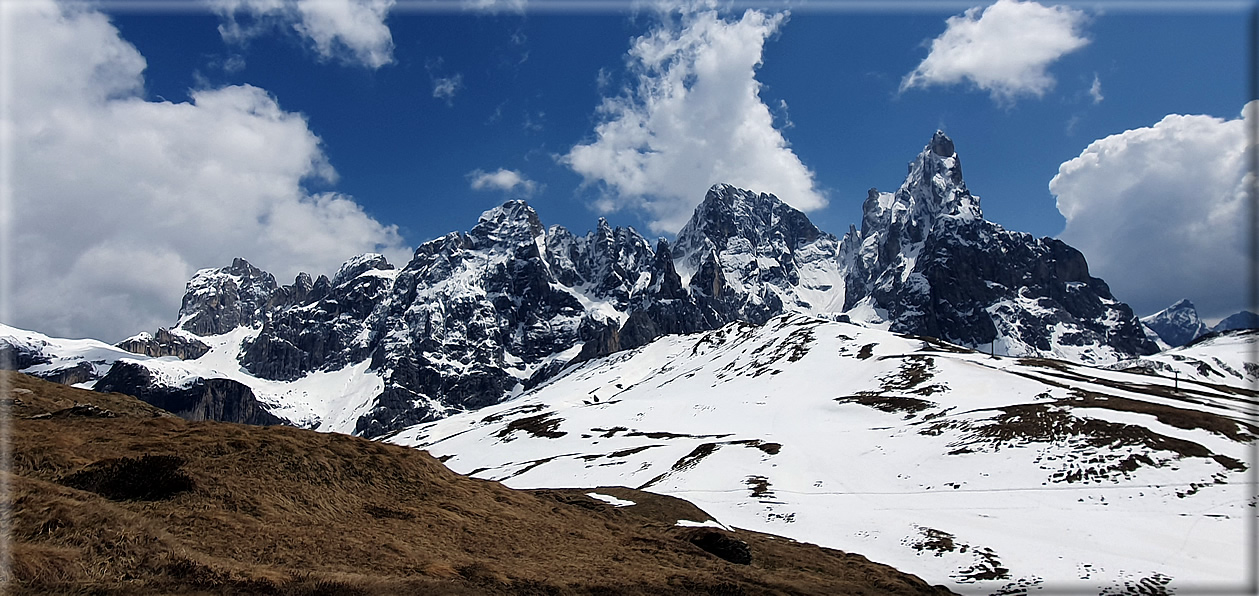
[(328, 401), (78, 362), (989, 474), (1224, 357)]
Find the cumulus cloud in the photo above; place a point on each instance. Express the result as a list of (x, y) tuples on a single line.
[(116, 201), (691, 117), (1160, 211), (502, 180), (352, 31), (1003, 49)]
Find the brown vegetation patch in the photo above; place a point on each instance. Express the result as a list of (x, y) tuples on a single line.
[(914, 371), (759, 486), (1096, 444), (1237, 430), (892, 404), (147, 478), (544, 426), (985, 565), (526, 409), (286, 511), (669, 435)]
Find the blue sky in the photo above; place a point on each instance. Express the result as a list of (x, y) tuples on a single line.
[(409, 105)]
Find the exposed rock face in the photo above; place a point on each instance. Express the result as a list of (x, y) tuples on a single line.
[(1177, 324), (929, 260), (321, 325), (165, 343), (17, 356), (72, 375), (223, 400), (219, 300), (755, 257)]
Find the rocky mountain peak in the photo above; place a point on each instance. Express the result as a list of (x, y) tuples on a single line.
[(357, 266), (735, 219), (1177, 324), (513, 222), (219, 300), (942, 145), (933, 189)]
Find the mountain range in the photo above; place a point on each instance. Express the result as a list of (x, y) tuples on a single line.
[(929, 389), (479, 317)]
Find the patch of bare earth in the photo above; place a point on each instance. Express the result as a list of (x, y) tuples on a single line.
[(142, 503)]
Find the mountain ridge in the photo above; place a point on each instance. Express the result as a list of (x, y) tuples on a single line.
[(477, 317)]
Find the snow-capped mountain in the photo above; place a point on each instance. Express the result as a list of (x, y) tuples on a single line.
[(480, 316), (1241, 320), (1179, 325), (929, 263), (989, 474), (1175, 325)]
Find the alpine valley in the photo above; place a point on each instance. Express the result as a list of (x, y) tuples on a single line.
[(960, 401)]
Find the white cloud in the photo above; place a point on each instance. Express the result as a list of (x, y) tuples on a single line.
[(1095, 90), (445, 88), (693, 118), (1160, 211), (116, 201), (502, 180), (353, 31), (1003, 49), (496, 6)]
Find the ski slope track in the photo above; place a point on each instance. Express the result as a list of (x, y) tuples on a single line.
[(992, 475)]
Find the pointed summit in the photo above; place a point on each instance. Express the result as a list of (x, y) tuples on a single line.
[(728, 212), (942, 145), (513, 222), (1177, 324)]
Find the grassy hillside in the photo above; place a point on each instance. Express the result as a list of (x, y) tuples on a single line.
[(142, 502)]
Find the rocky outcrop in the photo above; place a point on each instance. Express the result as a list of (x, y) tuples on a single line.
[(219, 300), (165, 343), (222, 400), (17, 355)]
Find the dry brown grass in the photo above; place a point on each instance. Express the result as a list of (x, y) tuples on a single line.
[(284, 511)]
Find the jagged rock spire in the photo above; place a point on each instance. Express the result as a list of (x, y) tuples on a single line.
[(933, 188)]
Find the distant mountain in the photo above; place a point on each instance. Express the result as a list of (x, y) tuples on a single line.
[(1177, 324), (1242, 320), (991, 475), (478, 317)]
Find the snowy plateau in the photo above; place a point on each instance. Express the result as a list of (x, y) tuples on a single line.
[(930, 390)]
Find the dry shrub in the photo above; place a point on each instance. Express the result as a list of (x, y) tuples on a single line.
[(149, 478)]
